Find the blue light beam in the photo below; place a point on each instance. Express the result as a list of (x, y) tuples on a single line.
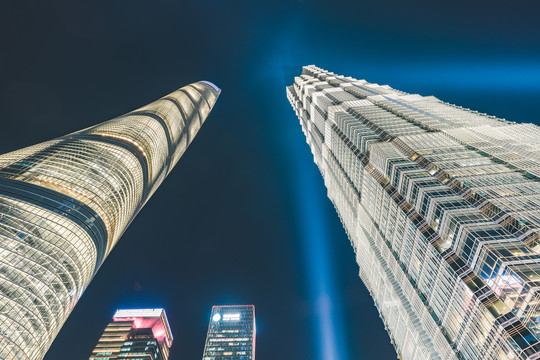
[(315, 243), (310, 204)]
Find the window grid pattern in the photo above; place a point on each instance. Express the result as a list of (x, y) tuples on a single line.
[(65, 203), (441, 205), (135, 338), (231, 333)]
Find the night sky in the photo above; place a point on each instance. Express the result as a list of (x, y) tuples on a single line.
[(244, 217)]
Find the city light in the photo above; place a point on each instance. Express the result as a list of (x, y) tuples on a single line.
[(231, 317)]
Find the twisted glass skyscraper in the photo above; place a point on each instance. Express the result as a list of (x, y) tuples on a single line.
[(442, 207), (65, 203)]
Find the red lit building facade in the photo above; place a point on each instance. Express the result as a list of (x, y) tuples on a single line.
[(139, 334)]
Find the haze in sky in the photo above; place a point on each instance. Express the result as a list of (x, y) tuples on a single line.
[(244, 217)]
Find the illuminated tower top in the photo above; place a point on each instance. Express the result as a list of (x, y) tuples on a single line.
[(231, 333), (135, 334)]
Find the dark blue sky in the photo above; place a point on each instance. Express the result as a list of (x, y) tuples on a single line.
[(244, 217)]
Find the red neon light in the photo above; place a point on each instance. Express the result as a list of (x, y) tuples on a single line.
[(156, 324)]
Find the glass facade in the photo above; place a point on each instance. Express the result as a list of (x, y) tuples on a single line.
[(139, 334), (231, 333), (65, 203), (442, 208)]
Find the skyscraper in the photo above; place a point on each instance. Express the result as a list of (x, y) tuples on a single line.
[(139, 334), (231, 333), (442, 207), (65, 203)]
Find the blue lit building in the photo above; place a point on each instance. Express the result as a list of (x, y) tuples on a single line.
[(231, 333)]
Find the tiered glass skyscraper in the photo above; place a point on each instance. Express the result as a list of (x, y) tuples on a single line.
[(231, 333), (65, 203), (442, 207)]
